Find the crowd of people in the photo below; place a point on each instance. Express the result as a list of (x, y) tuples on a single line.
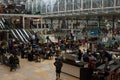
[(10, 54), (9, 58)]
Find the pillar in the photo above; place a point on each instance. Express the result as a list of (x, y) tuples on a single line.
[(23, 19)]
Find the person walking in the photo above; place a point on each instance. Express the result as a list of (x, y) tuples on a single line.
[(58, 65)]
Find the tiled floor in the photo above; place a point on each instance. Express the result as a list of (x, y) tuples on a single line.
[(44, 70)]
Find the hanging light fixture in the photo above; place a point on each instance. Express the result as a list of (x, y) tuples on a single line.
[(22, 3), (118, 20)]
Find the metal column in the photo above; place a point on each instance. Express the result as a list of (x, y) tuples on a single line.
[(23, 19)]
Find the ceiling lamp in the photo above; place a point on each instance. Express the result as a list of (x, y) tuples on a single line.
[(118, 20), (106, 20), (22, 3)]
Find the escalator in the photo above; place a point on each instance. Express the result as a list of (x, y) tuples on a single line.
[(15, 36), (23, 35), (30, 33), (26, 34), (18, 37), (5, 25), (2, 26), (18, 34), (3, 20)]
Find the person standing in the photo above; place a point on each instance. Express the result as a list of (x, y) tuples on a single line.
[(79, 55), (17, 61), (11, 62), (58, 65)]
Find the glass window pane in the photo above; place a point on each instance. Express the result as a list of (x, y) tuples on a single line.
[(55, 6), (61, 5), (77, 4), (108, 3), (97, 3), (38, 6), (86, 4), (118, 2), (29, 6), (69, 5), (33, 7), (43, 7), (49, 6)]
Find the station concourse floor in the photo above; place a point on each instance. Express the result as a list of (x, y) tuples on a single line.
[(43, 70)]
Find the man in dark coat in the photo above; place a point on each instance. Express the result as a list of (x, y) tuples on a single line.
[(58, 64), (79, 54), (11, 62)]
